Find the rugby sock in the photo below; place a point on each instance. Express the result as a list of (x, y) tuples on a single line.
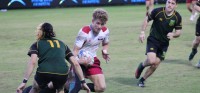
[(194, 49), (91, 86), (141, 66), (142, 79), (66, 90)]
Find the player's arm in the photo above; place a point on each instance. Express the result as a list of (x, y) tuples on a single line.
[(80, 40), (79, 72), (145, 24), (76, 50), (143, 28), (82, 61), (30, 67), (74, 63), (178, 29), (175, 34), (105, 54), (105, 46)]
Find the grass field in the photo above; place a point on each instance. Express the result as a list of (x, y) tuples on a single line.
[(174, 75)]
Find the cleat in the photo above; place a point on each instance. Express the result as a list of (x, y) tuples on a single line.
[(139, 71), (191, 18), (140, 84), (198, 64), (192, 54)]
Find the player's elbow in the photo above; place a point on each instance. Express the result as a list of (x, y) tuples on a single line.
[(177, 34)]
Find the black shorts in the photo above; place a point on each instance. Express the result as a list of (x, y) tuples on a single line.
[(160, 48), (44, 78), (197, 33)]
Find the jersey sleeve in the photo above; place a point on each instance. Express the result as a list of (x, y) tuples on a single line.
[(106, 39), (68, 53), (81, 38), (152, 15), (178, 25), (33, 49)]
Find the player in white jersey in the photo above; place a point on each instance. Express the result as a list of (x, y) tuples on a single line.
[(89, 38)]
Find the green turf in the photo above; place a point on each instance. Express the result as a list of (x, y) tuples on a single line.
[(174, 75)]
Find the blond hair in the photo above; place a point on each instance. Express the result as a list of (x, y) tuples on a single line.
[(100, 14)]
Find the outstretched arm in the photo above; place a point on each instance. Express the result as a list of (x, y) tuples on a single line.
[(143, 28), (29, 70), (105, 52)]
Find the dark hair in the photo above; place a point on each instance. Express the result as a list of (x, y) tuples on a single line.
[(47, 30)]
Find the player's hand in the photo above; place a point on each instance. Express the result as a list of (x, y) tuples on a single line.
[(85, 61), (85, 87), (142, 37), (170, 35), (105, 55), (21, 88)]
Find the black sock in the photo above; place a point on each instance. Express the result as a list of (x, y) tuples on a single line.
[(66, 90), (91, 86), (141, 66), (194, 49), (142, 79)]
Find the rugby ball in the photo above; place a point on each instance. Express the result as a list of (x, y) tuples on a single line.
[(86, 54)]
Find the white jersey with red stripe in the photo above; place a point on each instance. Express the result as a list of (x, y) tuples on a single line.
[(87, 41)]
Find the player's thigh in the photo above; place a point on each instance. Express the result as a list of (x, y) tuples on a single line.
[(35, 84), (197, 39), (197, 29), (41, 80), (151, 57), (59, 81), (98, 80)]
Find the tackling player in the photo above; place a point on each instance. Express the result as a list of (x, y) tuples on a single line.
[(165, 20), (51, 54)]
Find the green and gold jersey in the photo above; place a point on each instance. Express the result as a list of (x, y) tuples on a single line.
[(51, 53), (163, 24)]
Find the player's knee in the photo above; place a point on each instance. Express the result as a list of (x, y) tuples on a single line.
[(197, 40), (152, 61), (154, 67), (100, 88), (36, 89)]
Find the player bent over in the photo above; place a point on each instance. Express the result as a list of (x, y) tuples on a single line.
[(50, 54)]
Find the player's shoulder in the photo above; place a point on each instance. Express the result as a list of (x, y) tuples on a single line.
[(86, 29), (177, 14), (159, 9), (104, 29)]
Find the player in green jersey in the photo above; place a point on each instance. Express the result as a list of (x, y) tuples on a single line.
[(196, 41), (165, 20), (52, 67)]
